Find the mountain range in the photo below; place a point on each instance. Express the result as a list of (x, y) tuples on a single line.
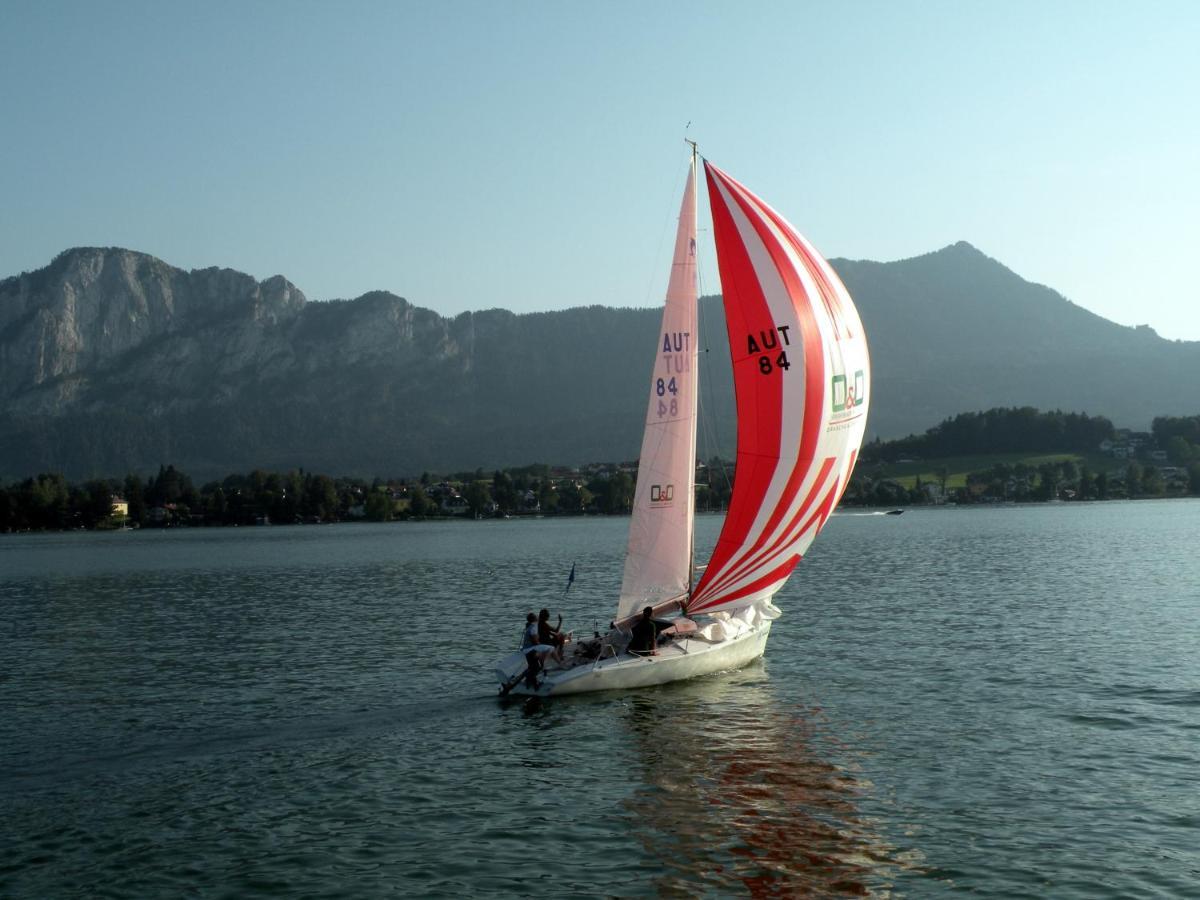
[(113, 361)]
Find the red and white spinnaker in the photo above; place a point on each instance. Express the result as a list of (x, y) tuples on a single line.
[(802, 383)]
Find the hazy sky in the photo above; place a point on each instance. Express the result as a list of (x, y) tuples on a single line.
[(529, 155)]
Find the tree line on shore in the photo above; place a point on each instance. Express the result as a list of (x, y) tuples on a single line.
[(1163, 462), (1024, 483), (1001, 430), (48, 502)]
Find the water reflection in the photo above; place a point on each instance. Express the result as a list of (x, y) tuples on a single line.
[(737, 795)]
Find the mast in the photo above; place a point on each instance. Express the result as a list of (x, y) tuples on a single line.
[(696, 395)]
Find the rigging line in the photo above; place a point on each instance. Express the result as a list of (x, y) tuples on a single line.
[(710, 431), (656, 268)]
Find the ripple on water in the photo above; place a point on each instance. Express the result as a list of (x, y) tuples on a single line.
[(992, 702)]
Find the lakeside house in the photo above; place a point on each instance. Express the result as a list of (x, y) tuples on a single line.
[(1126, 444)]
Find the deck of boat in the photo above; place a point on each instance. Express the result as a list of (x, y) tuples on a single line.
[(717, 643)]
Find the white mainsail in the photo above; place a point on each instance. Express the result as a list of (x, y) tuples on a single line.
[(659, 559)]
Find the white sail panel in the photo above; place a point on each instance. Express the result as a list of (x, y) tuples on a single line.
[(659, 558), (801, 375)]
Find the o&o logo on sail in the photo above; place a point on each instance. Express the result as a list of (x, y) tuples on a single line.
[(846, 395)]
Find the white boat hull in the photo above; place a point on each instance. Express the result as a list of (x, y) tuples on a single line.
[(679, 660)]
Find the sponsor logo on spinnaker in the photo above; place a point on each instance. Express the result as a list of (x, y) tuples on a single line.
[(847, 394)]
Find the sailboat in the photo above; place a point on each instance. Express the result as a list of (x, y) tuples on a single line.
[(802, 386)]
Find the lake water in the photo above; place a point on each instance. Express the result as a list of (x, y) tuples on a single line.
[(1003, 702)]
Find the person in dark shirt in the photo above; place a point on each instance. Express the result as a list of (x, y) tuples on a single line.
[(552, 636), (645, 634), (529, 642)]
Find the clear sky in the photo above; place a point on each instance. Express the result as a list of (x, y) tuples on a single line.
[(529, 155)]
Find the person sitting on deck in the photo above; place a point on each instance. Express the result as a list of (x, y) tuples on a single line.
[(529, 643), (645, 634), (552, 636)]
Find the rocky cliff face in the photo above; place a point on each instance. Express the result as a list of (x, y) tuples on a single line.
[(113, 361), (71, 326)]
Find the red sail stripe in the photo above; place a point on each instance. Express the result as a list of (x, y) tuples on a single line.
[(795, 531), (755, 466), (775, 576), (758, 427), (814, 361), (835, 491), (830, 295), (816, 521), (824, 276), (849, 469), (823, 511), (738, 568), (786, 537), (783, 267), (814, 358)]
